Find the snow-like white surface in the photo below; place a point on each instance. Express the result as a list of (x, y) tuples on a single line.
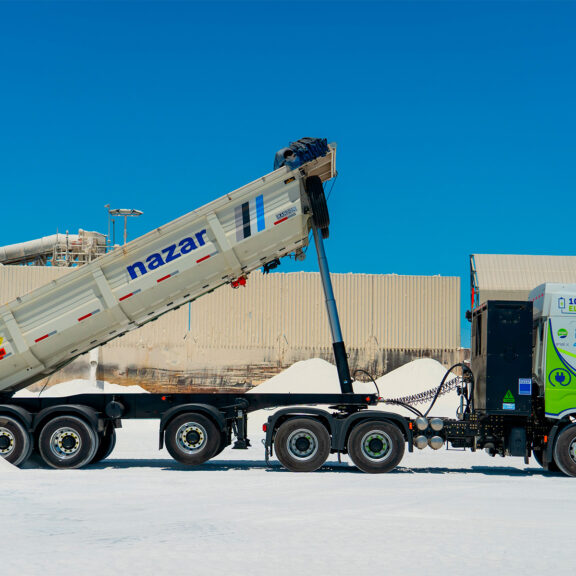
[(7, 467), (139, 512)]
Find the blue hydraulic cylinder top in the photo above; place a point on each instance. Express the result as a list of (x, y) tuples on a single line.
[(332, 310)]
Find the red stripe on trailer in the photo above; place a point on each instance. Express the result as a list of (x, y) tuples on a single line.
[(164, 278), (127, 296), (202, 259), (84, 317), (42, 338), (281, 220)]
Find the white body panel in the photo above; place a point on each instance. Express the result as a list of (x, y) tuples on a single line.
[(191, 256)]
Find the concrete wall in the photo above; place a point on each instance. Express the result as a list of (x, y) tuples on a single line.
[(235, 339)]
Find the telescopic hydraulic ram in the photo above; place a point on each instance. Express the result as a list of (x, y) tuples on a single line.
[(337, 341)]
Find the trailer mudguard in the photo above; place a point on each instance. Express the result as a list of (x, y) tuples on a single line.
[(22, 415), (85, 412)]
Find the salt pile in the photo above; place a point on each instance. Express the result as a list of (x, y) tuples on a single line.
[(316, 376), (305, 377), (80, 386), (415, 377)]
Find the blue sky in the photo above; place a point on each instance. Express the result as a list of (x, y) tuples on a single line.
[(455, 121)]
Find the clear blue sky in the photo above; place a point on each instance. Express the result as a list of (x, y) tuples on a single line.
[(455, 121)]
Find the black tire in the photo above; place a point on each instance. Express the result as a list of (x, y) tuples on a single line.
[(223, 444), (105, 447), (67, 442), (537, 453), (192, 439), (318, 204), (302, 444), (565, 451), (376, 446), (15, 442)]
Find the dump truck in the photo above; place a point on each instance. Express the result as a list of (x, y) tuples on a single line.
[(517, 396)]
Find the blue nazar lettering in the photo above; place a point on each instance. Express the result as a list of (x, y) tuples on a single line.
[(155, 260)]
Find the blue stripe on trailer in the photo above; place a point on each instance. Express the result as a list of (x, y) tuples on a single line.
[(260, 213)]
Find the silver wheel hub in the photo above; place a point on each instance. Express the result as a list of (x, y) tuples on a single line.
[(572, 450), (65, 443), (7, 442), (302, 444), (376, 445), (191, 437)]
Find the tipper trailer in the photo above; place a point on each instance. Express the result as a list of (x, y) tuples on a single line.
[(518, 397), (220, 243)]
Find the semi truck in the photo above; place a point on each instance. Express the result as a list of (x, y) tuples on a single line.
[(517, 397)]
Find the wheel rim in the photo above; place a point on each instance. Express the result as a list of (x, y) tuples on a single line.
[(191, 437), (7, 442), (65, 443), (376, 445), (572, 450), (302, 444)]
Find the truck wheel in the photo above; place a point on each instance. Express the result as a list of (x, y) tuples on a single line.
[(192, 439), (15, 442), (223, 444), (318, 203), (565, 451), (107, 443), (67, 442), (538, 456), (376, 446), (302, 444)]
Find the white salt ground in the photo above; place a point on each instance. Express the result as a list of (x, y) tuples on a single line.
[(139, 512), (6, 467)]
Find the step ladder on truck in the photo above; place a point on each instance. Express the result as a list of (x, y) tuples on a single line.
[(220, 243)]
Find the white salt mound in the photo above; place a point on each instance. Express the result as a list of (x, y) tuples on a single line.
[(305, 377), (415, 377), (318, 376), (73, 387)]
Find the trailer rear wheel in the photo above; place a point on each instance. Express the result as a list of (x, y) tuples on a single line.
[(107, 443), (376, 446), (192, 439), (68, 442), (15, 442), (302, 444), (565, 451)]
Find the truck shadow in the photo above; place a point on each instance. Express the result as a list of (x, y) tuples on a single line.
[(331, 467), (483, 470), (212, 466)]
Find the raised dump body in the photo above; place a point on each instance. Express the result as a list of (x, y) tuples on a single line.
[(217, 244)]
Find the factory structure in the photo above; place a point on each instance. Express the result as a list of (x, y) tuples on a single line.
[(235, 339), (513, 276)]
